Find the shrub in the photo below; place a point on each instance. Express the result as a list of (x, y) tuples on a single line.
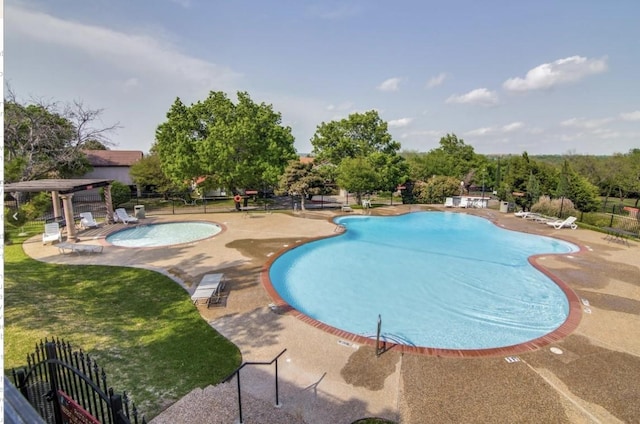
[(552, 207), (120, 194)]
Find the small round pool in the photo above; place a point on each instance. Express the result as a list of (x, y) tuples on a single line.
[(157, 235)]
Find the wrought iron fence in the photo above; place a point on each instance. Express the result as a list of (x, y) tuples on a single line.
[(66, 386)]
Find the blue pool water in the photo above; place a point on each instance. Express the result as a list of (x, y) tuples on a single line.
[(440, 280), (156, 235)]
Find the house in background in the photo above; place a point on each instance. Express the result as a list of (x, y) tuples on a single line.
[(112, 164)]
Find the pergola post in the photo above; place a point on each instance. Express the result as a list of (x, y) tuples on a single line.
[(55, 198), (109, 204), (67, 207)]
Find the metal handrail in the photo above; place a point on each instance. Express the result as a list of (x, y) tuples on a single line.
[(237, 372)]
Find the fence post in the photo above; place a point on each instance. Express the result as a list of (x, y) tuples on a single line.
[(115, 404), (52, 369)]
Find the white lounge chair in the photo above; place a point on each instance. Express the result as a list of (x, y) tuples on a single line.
[(51, 233), (79, 248), (567, 223), (122, 216), (464, 202), (87, 221), (448, 203), (210, 289)]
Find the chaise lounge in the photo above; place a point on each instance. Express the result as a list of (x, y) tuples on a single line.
[(87, 221), (51, 233), (121, 215), (567, 223), (209, 289)]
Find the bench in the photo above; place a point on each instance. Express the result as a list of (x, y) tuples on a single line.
[(78, 248), (209, 289), (616, 234)]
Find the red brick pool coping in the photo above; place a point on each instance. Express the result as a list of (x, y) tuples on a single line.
[(566, 328)]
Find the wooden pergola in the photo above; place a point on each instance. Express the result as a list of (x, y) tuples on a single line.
[(63, 189)]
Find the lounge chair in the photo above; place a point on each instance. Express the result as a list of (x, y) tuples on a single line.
[(464, 202), (122, 216), (210, 289), (79, 248), (51, 233), (448, 203), (87, 221), (522, 214), (567, 223), (346, 208)]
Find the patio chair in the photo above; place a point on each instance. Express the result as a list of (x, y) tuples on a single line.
[(51, 233), (448, 203), (464, 202), (122, 216), (567, 223), (87, 221)]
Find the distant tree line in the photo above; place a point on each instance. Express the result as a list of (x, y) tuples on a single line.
[(217, 143)]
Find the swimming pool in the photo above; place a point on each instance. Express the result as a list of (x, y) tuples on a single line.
[(438, 280), (164, 234)]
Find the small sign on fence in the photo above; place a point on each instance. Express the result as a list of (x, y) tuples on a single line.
[(72, 412)]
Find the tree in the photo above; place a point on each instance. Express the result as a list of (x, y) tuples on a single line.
[(533, 191), (94, 145), (358, 176), (148, 172), (436, 189), (234, 146), (359, 135), (453, 158), (44, 140), (301, 179)]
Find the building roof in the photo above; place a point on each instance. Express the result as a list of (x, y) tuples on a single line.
[(60, 185), (99, 158)]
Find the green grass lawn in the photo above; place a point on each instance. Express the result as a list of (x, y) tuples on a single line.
[(140, 326)]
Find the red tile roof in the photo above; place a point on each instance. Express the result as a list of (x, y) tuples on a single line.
[(113, 157)]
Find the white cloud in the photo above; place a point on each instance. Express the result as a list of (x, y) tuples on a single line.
[(399, 123), (512, 127), (561, 71), (588, 124), (392, 84), (479, 96), (631, 116), (485, 131), (437, 80), (481, 131), (340, 107), (130, 52)]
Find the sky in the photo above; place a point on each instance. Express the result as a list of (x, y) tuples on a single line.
[(545, 77)]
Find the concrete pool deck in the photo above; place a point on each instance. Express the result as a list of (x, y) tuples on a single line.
[(328, 379)]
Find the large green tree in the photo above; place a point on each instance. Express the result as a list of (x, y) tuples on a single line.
[(453, 158), (365, 137), (359, 135), (234, 145), (45, 140)]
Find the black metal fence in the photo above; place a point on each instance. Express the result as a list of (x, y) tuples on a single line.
[(619, 218), (66, 386)]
